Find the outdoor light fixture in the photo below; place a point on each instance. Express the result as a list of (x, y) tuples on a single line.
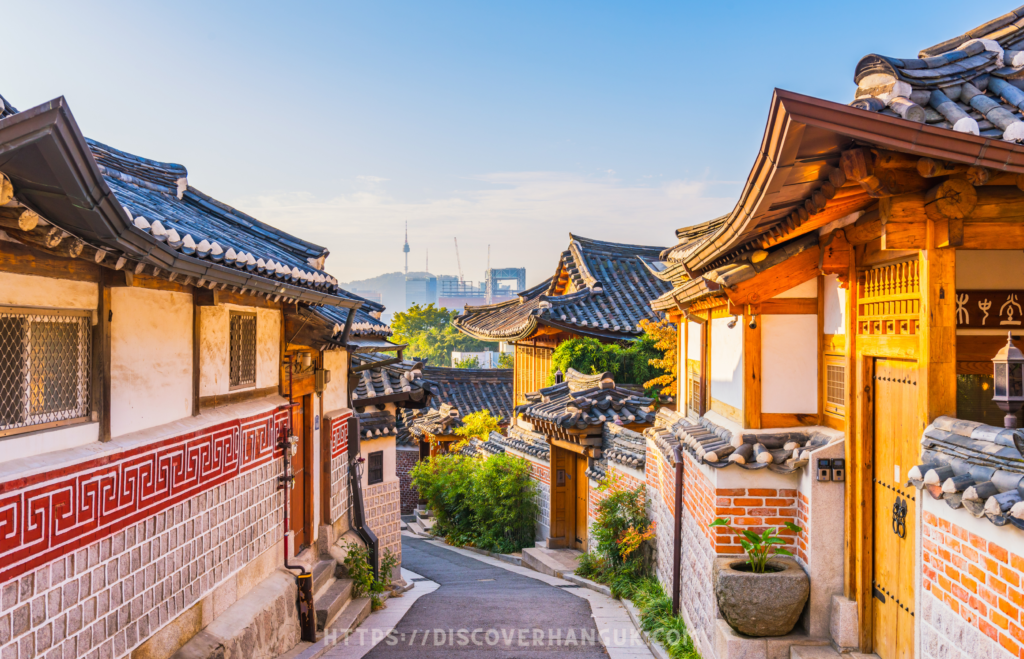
[(753, 322), (732, 323), (1008, 379)]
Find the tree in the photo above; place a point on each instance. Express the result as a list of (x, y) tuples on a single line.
[(469, 362), (506, 360), (429, 332), (478, 424), (665, 339)]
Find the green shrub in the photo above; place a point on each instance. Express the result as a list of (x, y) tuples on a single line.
[(504, 504), (357, 561), (489, 503), (629, 363)]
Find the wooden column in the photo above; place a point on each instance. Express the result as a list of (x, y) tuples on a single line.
[(850, 589), (937, 348), (101, 360), (684, 367), (751, 373), (705, 355)]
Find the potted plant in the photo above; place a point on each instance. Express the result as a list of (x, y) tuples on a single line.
[(764, 594)]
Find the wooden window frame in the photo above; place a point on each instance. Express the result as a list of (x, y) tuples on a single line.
[(255, 350), (370, 467), (85, 375), (834, 410)]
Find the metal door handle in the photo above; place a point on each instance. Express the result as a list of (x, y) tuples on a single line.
[(899, 517)]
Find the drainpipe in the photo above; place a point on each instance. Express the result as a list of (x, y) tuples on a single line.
[(304, 580), (355, 475), (677, 527)]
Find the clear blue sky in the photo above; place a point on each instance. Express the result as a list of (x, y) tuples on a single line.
[(502, 123)]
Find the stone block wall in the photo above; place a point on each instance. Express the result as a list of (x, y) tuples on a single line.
[(661, 491), (338, 424), (122, 546), (382, 503), (972, 599), (541, 472), (406, 459)]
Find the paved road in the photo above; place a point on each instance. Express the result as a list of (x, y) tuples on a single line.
[(511, 615)]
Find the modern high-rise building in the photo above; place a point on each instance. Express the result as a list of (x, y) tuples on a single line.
[(420, 289)]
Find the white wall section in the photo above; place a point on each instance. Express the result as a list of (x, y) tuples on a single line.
[(789, 364), (32, 291), (727, 362), (835, 306), (150, 358), (807, 289), (335, 393), (214, 348)]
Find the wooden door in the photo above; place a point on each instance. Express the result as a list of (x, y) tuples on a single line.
[(896, 450), (301, 493), (563, 490), (582, 487)]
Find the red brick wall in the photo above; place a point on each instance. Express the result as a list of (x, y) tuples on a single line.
[(661, 476), (698, 497), (803, 520), (404, 463), (977, 579)]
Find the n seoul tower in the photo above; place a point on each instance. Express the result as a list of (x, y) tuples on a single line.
[(405, 248)]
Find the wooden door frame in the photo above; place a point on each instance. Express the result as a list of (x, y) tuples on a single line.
[(561, 542), (583, 482)]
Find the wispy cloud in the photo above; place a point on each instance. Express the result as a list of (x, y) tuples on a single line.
[(525, 217)]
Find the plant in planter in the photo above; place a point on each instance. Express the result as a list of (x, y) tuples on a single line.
[(765, 594)]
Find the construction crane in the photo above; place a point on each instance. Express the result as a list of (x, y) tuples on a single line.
[(458, 260)]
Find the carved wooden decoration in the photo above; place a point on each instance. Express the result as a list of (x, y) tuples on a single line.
[(889, 299)]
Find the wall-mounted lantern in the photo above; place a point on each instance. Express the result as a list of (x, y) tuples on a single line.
[(1008, 378)]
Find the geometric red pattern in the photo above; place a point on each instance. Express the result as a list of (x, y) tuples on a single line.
[(50, 514), (339, 433)]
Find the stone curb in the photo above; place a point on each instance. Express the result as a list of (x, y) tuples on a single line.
[(506, 558), (657, 649), (587, 583)]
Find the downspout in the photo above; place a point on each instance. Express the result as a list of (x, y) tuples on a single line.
[(677, 529), (355, 474), (304, 580)]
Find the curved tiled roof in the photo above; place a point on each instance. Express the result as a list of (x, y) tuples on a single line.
[(443, 420), (567, 405), (473, 389), (609, 286), (376, 424), (395, 383), (364, 324), (973, 466), (967, 83)]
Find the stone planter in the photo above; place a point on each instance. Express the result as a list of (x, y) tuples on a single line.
[(761, 604)]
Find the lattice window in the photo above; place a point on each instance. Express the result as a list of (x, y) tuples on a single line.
[(44, 368), (835, 386), (693, 385), (242, 362), (375, 468)]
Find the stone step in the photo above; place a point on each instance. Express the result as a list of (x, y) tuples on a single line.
[(408, 518), (423, 514), (418, 529), (322, 573), (553, 562), (351, 617), (332, 602), (824, 652)]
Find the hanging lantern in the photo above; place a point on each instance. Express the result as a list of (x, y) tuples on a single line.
[(1008, 380)]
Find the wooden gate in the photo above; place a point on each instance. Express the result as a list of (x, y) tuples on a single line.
[(896, 449), (301, 496), (563, 507), (582, 485)]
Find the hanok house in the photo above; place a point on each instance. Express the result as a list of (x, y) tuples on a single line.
[(863, 283), (599, 289), (586, 425), (169, 442), (391, 389), (464, 390)]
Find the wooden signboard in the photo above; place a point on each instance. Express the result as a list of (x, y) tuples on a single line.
[(990, 309)]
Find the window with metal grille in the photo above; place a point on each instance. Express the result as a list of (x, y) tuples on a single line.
[(44, 368), (835, 386), (242, 362), (375, 468)]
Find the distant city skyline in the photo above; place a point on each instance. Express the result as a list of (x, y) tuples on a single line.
[(502, 124)]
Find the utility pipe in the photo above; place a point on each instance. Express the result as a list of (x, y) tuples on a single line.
[(677, 530)]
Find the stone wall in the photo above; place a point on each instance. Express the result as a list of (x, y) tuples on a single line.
[(661, 492), (541, 473), (382, 503), (338, 424), (128, 543), (406, 460)]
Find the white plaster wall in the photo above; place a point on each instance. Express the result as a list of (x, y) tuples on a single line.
[(789, 364), (807, 289), (835, 307), (727, 362), (32, 291), (336, 392), (214, 348), (47, 441), (992, 269), (693, 341), (386, 444), (150, 358)]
